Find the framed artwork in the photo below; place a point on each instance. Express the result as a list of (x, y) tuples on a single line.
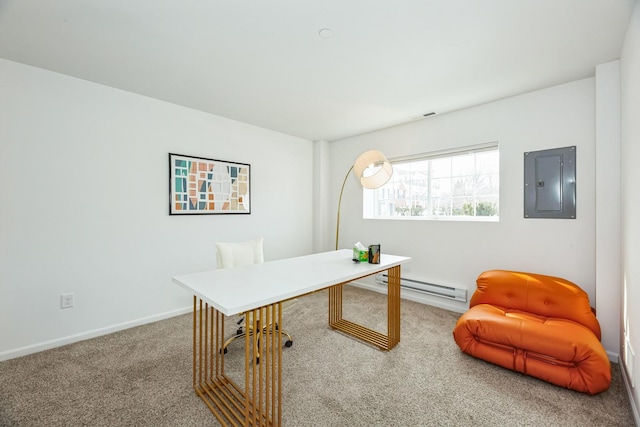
[(199, 186)]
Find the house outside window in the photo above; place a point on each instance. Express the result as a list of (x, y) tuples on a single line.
[(458, 184)]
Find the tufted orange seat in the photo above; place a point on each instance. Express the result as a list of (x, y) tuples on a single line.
[(538, 325)]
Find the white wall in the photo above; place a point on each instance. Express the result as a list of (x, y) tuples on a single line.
[(608, 226), (630, 112), (84, 186), (454, 253), (321, 193)]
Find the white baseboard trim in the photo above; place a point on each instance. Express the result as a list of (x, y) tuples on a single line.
[(627, 386), (47, 345)]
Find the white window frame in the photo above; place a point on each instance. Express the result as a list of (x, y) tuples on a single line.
[(423, 205)]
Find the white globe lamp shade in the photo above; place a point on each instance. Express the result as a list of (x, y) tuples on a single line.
[(372, 169)]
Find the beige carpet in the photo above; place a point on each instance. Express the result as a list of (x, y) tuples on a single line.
[(142, 377)]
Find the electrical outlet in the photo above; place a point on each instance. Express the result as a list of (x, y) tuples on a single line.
[(66, 300)]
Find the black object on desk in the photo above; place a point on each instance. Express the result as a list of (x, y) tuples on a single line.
[(374, 254)]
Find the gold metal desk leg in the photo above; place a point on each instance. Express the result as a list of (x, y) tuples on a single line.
[(259, 402), (382, 341)]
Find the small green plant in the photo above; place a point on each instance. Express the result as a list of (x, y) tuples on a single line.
[(417, 210), (482, 209)]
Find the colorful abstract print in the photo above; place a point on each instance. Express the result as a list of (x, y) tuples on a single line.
[(209, 186)]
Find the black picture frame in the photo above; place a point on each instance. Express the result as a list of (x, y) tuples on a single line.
[(204, 186)]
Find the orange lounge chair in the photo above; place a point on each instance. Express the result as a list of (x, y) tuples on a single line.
[(538, 325)]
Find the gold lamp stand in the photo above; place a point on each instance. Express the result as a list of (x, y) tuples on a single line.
[(373, 170)]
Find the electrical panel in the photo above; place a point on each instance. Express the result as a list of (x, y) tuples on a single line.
[(550, 183)]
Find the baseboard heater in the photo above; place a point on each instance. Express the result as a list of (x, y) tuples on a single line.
[(448, 292)]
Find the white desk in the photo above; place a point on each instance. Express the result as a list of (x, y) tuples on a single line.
[(260, 289)]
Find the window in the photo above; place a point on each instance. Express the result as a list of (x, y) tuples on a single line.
[(462, 184)]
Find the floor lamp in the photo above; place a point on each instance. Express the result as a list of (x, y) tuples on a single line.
[(373, 170)]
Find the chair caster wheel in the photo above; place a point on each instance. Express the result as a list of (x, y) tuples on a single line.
[(223, 350), (239, 331), (289, 343)]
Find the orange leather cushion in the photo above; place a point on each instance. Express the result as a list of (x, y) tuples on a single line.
[(538, 294), (539, 325), (555, 350)]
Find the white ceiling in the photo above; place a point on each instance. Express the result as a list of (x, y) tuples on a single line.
[(263, 62)]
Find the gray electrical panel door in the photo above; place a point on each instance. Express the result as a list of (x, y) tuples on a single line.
[(550, 183)]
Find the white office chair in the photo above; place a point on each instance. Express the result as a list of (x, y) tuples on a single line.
[(235, 255)]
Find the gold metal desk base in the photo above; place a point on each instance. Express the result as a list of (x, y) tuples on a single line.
[(382, 341), (258, 403)]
